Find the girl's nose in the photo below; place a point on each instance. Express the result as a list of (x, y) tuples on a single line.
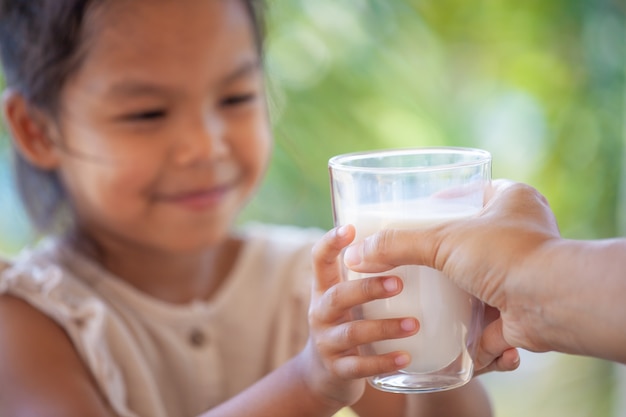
[(203, 140)]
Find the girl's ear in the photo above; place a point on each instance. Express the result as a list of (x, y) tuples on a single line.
[(29, 130)]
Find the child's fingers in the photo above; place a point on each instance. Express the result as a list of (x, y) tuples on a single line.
[(333, 304), (349, 335), (354, 367), (325, 256)]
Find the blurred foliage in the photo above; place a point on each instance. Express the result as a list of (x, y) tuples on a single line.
[(540, 84)]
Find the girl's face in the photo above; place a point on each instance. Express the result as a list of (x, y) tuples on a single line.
[(164, 126)]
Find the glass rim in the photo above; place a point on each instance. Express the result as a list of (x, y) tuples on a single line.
[(339, 162)]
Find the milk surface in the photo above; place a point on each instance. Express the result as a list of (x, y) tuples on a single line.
[(443, 310)]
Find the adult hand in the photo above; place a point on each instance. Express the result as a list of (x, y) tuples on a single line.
[(485, 255)]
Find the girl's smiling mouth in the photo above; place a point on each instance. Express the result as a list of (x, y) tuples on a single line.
[(197, 199)]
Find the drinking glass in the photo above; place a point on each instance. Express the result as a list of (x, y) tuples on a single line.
[(409, 189)]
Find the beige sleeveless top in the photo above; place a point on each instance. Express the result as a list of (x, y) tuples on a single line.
[(154, 359)]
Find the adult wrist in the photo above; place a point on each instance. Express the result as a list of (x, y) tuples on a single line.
[(533, 297)]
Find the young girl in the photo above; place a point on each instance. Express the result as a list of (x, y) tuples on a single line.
[(140, 131)]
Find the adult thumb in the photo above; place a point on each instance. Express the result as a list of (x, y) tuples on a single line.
[(389, 248)]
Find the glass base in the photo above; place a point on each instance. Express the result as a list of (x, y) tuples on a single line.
[(411, 383)]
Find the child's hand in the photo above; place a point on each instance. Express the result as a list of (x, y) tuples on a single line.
[(334, 368)]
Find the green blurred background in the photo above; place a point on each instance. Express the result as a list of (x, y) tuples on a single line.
[(538, 83)]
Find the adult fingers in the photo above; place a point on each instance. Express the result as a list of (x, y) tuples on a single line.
[(508, 361), (497, 187), (389, 248), (492, 346), (392, 247)]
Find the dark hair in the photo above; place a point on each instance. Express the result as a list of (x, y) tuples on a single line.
[(41, 46)]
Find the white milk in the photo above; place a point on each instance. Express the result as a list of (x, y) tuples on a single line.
[(443, 310)]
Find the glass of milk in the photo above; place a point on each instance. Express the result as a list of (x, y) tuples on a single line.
[(408, 189)]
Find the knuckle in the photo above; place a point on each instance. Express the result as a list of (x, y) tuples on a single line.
[(525, 192), (320, 345), (383, 241), (369, 287), (333, 296), (346, 367), (440, 252), (325, 246), (350, 332), (319, 254), (389, 328)]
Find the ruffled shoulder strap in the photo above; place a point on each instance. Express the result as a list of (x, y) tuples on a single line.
[(39, 279)]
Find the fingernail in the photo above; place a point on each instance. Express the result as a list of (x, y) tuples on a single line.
[(342, 231), (402, 359), (390, 284), (408, 325), (352, 255)]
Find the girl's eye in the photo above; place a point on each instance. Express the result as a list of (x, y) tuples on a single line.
[(238, 99), (146, 116)]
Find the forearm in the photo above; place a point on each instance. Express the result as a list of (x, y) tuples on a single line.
[(581, 308), (283, 393)]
